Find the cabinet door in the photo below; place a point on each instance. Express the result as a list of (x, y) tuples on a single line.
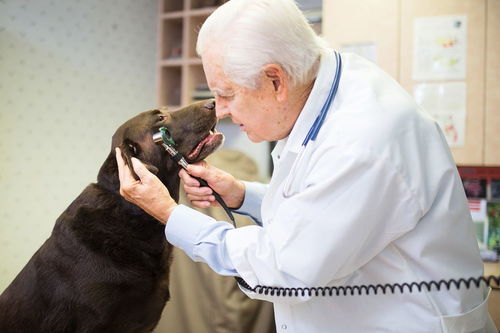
[(492, 121), (373, 21), (472, 152)]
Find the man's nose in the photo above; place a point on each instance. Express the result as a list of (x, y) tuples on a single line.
[(221, 110)]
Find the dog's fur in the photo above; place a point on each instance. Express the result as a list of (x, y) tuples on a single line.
[(105, 266)]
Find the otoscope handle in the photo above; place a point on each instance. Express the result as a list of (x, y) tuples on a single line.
[(217, 196)]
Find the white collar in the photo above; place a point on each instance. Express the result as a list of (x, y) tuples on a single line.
[(314, 103)]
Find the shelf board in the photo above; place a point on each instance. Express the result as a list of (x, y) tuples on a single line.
[(205, 11), (172, 15), (194, 61), (171, 62), (180, 61)]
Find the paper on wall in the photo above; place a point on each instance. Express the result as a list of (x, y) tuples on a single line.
[(445, 102), (439, 47)]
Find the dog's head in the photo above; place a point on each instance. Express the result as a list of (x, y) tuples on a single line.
[(192, 128)]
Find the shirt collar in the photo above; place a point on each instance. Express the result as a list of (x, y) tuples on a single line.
[(314, 103)]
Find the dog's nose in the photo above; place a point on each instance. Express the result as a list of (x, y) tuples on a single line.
[(210, 105)]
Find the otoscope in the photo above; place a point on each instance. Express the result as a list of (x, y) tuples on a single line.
[(168, 143)]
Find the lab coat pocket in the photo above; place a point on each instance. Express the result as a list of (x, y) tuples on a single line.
[(475, 320)]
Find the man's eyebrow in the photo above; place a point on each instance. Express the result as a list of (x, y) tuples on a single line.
[(221, 92)]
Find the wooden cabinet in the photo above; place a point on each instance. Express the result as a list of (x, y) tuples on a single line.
[(472, 152), (492, 105), (179, 68), (389, 25), (348, 22)]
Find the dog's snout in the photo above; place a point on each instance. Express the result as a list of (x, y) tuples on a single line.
[(210, 105)]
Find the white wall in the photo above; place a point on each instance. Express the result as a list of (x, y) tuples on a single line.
[(70, 73)]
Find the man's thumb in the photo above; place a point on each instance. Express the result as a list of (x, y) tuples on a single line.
[(140, 169)]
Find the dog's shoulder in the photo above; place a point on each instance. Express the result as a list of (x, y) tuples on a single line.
[(103, 222)]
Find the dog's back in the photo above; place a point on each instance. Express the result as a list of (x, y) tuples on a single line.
[(103, 269)]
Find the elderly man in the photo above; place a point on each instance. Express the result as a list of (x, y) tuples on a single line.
[(364, 189)]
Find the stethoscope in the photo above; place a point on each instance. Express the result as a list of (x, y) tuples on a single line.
[(314, 130)]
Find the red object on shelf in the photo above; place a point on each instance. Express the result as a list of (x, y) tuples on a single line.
[(480, 172), (481, 182)]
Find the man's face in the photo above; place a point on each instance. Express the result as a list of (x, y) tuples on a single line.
[(258, 112)]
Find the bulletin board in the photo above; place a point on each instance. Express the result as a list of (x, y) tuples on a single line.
[(492, 107), (471, 152)]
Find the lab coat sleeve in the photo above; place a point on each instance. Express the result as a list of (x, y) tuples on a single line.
[(350, 206), (201, 237), (254, 192)]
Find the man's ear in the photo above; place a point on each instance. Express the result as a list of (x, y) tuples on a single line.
[(275, 74), (131, 149)]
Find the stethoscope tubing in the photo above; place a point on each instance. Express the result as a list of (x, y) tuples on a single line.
[(318, 122), (316, 126)]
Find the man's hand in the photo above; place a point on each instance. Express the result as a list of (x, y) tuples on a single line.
[(230, 189), (149, 193)]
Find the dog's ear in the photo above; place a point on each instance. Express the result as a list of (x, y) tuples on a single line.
[(131, 149)]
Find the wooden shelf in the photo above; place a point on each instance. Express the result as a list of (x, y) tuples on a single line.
[(201, 11), (171, 15), (180, 69), (171, 62), (194, 61), (171, 37), (167, 6)]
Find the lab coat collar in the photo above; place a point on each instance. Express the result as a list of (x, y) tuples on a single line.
[(314, 103)]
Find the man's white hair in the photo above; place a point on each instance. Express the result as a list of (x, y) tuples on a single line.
[(250, 34)]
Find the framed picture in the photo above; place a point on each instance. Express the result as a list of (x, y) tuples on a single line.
[(495, 189), (475, 187)]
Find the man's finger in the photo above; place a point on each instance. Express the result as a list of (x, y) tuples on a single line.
[(124, 173), (199, 170), (140, 169), (120, 163), (209, 198), (196, 190), (201, 204), (187, 179)]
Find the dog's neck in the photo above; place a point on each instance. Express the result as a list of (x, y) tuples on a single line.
[(108, 177)]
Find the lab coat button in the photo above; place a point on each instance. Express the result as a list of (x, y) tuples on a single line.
[(283, 327)]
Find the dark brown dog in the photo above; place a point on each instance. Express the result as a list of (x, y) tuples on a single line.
[(105, 266)]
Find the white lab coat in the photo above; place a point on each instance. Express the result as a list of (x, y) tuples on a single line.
[(376, 199)]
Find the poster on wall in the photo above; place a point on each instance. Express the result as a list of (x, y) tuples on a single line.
[(439, 48), (445, 102)]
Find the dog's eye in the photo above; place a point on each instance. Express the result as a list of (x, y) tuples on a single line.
[(133, 148), (161, 118)]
